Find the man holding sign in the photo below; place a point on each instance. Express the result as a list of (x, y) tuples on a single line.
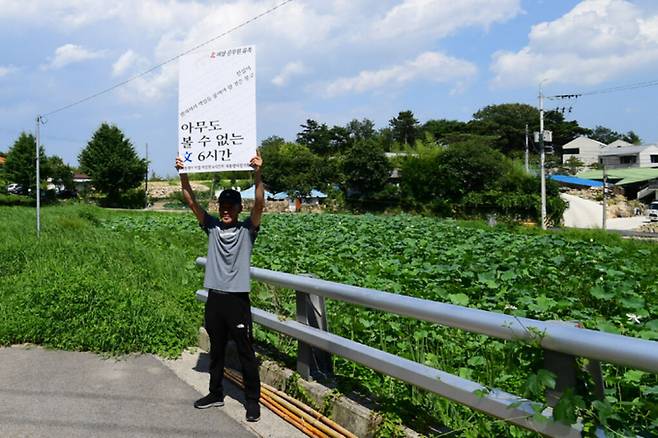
[(217, 133), (227, 278)]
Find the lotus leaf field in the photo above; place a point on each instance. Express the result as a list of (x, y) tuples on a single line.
[(118, 282)]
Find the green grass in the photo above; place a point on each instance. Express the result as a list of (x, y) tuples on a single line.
[(83, 287), (119, 282)]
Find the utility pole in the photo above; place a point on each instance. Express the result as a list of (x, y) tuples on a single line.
[(542, 157), (38, 176), (146, 184), (527, 168), (605, 195)]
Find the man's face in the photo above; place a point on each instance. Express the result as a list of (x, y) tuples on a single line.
[(228, 213)]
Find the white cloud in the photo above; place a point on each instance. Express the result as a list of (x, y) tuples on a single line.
[(596, 41), (289, 70), (6, 70), (129, 60), (71, 54), (432, 66), (443, 17), (301, 31), (151, 87), (75, 14)]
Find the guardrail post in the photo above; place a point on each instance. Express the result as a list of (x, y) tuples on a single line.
[(312, 363), (565, 368)]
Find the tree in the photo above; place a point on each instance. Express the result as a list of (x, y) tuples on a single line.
[(573, 165), (507, 122), (111, 162), (442, 128), (632, 137), (420, 185), (20, 167), (404, 128), (469, 167), (365, 168), (604, 135), (344, 137), (361, 129), (315, 136), (607, 135), (61, 173), (563, 130), (292, 167), (472, 179)]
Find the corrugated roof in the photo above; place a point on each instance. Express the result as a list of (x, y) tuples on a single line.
[(626, 150), (626, 176), (567, 179)]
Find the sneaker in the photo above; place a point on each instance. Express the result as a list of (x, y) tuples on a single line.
[(253, 411), (210, 401)]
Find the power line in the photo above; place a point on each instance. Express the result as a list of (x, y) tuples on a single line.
[(616, 89), (155, 67)]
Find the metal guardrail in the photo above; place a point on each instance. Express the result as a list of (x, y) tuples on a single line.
[(553, 336)]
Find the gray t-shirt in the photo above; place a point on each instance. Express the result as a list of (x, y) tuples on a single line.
[(229, 254)]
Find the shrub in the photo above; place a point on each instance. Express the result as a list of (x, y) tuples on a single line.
[(133, 198), (17, 200)]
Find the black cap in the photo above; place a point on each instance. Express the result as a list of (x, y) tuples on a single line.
[(229, 196)]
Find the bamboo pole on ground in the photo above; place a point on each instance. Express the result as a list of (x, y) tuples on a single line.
[(309, 416), (280, 410)]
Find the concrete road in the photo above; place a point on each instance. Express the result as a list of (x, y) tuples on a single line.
[(192, 368), (51, 393), (583, 213)]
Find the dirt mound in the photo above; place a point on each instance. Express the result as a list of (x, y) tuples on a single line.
[(162, 189), (649, 228)]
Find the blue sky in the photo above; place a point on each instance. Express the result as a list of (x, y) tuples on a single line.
[(330, 60)]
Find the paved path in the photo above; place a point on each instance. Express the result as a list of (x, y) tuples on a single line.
[(51, 393), (584, 213)]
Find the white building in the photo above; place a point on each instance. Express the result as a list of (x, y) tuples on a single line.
[(620, 144), (584, 149), (614, 157)]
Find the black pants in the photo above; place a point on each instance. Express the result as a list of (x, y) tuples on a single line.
[(229, 315)]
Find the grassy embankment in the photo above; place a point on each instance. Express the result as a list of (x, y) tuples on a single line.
[(82, 286)]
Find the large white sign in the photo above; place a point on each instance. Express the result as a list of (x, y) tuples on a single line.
[(217, 110)]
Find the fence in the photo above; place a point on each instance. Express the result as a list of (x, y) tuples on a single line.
[(561, 343)]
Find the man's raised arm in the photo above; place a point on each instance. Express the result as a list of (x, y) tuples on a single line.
[(259, 196), (188, 194)]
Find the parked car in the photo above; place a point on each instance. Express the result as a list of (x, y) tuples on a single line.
[(14, 188), (66, 194), (652, 211)]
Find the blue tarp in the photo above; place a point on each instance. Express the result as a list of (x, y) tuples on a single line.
[(572, 180), (251, 192), (284, 195)]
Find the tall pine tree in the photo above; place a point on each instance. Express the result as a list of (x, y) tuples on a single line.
[(111, 162), (20, 166)]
